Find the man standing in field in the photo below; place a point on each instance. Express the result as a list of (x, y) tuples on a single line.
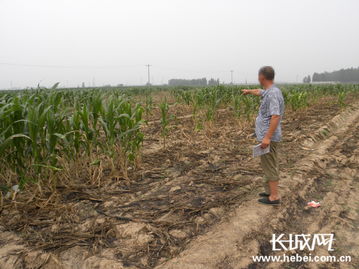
[(268, 132)]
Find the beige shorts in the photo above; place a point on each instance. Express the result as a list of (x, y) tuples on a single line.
[(270, 166)]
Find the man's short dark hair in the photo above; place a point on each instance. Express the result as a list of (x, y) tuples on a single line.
[(267, 72)]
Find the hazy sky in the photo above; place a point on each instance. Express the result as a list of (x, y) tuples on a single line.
[(110, 41)]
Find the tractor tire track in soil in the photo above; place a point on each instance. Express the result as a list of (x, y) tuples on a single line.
[(197, 190), (329, 173)]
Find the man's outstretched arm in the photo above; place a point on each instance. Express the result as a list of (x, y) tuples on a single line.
[(256, 92)]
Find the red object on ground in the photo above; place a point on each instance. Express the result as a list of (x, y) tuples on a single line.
[(313, 204)]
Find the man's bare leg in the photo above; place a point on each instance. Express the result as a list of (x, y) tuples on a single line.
[(273, 186)]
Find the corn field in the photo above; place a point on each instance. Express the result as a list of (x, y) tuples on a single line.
[(42, 131)]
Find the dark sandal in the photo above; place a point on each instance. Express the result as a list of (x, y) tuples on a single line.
[(264, 194), (266, 201)]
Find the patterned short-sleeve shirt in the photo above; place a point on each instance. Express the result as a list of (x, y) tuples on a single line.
[(272, 103)]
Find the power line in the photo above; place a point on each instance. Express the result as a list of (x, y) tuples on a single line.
[(70, 66), (232, 77)]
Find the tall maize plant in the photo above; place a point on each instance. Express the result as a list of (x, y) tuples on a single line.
[(165, 120), (121, 122)]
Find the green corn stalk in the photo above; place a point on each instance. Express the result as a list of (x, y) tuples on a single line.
[(237, 105), (164, 108), (148, 106), (297, 99), (341, 98)]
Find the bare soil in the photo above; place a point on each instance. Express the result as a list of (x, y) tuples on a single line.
[(192, 204)]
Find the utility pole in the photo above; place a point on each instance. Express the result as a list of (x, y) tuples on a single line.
[(231, 77), (148, 75)]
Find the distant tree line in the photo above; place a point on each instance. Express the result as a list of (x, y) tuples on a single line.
[(307, 79), (193, 82), (343, 75)]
